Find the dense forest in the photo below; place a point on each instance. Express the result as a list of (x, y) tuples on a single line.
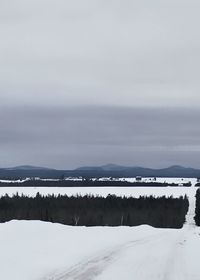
[(197, 209), (96, 211), (89, 183)]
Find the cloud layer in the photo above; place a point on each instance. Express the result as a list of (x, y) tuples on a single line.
[(92, 82), (100, 52), (67, 138)]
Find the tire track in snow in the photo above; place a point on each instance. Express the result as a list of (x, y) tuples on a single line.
[(175, 268), (93, 267), (176, 265)]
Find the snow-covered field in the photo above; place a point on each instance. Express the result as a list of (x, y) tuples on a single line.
[(104, 191), (33, 250)]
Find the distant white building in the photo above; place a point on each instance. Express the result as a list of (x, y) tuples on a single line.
[(35, 178), (138, 178)]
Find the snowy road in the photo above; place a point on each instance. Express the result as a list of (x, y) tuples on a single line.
[(159, 256), (145, 258)]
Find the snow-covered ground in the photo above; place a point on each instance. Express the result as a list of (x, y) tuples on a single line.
[(33, 250), (104, 191)]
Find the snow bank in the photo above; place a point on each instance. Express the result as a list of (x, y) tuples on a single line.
[(32, 250)]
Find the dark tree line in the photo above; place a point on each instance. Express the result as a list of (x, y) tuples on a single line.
[(96, 211), (88, 183), (197, 209)]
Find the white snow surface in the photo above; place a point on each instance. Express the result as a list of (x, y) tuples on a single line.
[(104, 191), (34, 250)]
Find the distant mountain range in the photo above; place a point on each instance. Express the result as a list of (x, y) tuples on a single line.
[(109, 170), (28, 167)]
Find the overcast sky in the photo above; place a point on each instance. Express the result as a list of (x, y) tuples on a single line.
[(89, 82)]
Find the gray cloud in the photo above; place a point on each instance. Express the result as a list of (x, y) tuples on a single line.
[(67, 138), (97, 81), (100, 52)]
